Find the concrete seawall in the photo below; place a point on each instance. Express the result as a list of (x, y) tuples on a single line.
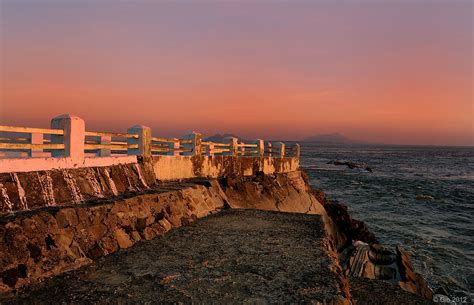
[(21, 191), (185, 167)]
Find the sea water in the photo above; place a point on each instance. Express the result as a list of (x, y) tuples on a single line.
[(420, 197)]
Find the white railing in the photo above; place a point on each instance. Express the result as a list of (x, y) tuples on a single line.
[(68, 138)]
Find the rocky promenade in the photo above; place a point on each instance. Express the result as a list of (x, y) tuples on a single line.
[(235, 256), (262, 239)]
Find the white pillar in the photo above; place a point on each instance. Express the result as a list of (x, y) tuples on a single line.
[(195, 145), (281, 148), (233, 146), (270, 149), (260, 150), (36, 138), (143, 141), (73, 138)]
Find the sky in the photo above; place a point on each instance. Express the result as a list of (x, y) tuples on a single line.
[(378, 71)]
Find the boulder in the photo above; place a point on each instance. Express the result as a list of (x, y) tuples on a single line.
[(353, 229), (411, 281), (123, 239), (148, 233), (66, 217)]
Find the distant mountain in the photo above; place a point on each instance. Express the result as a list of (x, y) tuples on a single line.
[(220, 137), (333, 138)]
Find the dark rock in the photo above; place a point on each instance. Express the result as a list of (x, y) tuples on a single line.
[(11, 276), (140, 224), (424, 197), (441, 290), (366, 291), (384, 272), (96, 251), (353, 229), (381, 255), (381, 249), (35, 252), (411, 281), (320, 196), (351, 165)]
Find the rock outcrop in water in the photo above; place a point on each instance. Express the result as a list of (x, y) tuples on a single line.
[(363, 256), (353, 229), (44, 243), (351, 165)]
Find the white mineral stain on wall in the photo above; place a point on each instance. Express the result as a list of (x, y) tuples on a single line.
[(113, 188), (73, 188), (21, 191), (140, 176), (47, 191), (95, 185), (128, 175), (211, 168), (6, 199)]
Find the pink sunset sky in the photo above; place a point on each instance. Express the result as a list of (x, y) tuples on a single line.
[(378, 71)]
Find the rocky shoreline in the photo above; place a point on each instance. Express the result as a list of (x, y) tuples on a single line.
[(364, 257), (39, 246)]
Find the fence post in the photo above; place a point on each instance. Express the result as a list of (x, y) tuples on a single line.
[(211, 149), (233, 146), (260, 147), (143, 141), (195, 145), (298, 150), (105, 152), (270, 149), (35, 138), (174, 146), (73, 138), (281, 147)]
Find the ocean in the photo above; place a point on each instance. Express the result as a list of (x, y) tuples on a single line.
[(419, 196)]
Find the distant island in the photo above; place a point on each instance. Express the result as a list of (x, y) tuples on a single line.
[(333, 138), (218, 138)]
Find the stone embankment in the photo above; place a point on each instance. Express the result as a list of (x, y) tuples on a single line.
[(44, 243)]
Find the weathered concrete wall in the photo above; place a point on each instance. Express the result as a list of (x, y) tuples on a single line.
[(31, 190), (184, 167), (20, 191)]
